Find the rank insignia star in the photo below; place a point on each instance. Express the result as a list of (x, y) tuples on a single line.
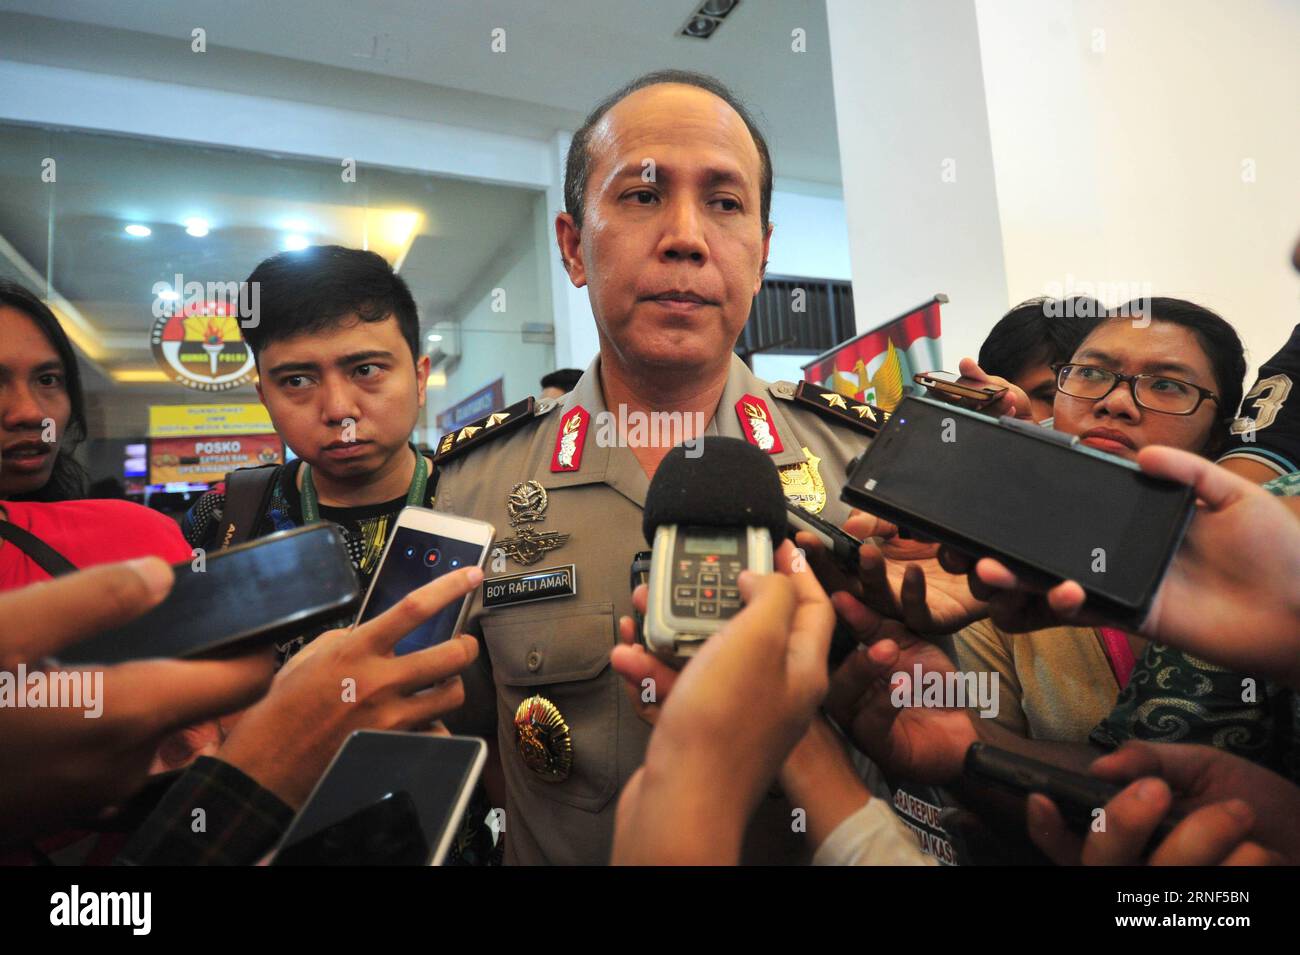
[(856, 412), (464, 437)]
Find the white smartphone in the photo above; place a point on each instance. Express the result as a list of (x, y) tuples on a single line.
[(386, 799), (424, 546)]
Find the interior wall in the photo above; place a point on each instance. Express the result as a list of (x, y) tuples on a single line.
[(1150, 146), (917, 164)]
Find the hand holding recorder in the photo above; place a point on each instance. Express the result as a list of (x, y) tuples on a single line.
[(735, 712)]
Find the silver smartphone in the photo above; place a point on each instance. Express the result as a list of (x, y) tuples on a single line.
[(424, 546)]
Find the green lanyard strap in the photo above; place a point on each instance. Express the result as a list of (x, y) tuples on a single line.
[(414, 496)]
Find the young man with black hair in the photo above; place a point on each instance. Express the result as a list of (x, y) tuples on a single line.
[(341, 374), (560, 382), (340, 371), (1033, 336)]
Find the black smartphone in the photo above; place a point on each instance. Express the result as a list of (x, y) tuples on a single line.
[(386, 799), (947, 385), (250, 595), (1077, 796), (842, 546), (1047, 507)]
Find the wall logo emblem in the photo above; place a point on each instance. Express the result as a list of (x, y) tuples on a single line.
[(206, 352)]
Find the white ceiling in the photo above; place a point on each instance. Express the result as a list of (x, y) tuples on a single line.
[(74, 227), (433, 57), (424, 59)]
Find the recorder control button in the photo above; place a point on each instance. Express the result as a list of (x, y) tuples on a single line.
[(708, 608), (684, 593), (708, 580), (730, 593)]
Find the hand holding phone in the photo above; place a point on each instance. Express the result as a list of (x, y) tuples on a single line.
[(1081, 800), (56, 764), (236, 600), (952, 388), (1027, 496), (424, 546), (350, 680)]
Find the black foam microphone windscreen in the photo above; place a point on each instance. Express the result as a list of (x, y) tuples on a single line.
[(727, 483)]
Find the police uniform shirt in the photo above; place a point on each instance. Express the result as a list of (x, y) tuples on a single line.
[(558, 648)]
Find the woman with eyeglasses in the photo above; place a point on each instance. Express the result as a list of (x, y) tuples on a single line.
[(1158, 371)]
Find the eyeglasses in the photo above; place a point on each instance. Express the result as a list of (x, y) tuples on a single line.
[(1153, 392)]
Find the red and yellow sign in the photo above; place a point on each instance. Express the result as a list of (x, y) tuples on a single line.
[(206, 459)]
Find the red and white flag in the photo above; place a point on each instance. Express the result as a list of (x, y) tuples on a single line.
[(877, 366)]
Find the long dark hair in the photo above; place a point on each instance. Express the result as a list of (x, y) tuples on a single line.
[(68, 479)]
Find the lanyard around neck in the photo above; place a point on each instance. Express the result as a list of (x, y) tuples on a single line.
[(414, 496)]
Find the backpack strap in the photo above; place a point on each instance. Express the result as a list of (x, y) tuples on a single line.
[(45, 556), (248, 490)]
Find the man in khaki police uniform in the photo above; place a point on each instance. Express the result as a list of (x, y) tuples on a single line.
[(667, 188)]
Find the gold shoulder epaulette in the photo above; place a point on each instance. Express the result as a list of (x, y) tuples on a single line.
[(842, 409), (488, 427)]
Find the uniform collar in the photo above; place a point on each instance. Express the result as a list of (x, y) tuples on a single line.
[(596, 460), (618, 467), (726, 422)]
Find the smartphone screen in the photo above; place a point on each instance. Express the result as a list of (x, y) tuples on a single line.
[(1055, 510), (414, 558), (387, 799), (255, 593)]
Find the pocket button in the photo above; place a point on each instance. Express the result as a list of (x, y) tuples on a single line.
[(534, 661)]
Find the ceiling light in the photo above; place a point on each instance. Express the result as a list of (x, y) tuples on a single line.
[(139, 231), (295, 225), (717, 8), (699, 27), (196, 227), (295, 243), (434, 338)]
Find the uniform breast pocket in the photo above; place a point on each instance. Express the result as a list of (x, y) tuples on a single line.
[(561, 654)]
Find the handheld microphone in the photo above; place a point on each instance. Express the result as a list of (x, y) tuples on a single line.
[(707, 519)]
